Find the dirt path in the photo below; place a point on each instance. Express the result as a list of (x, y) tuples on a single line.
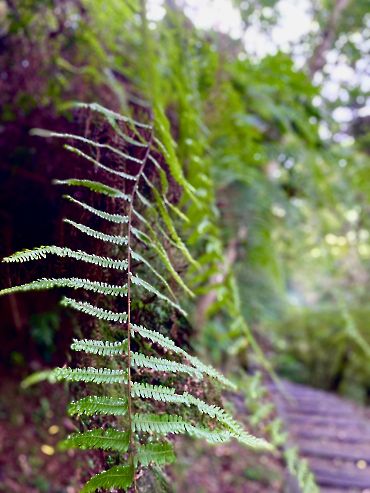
[(332, 433)]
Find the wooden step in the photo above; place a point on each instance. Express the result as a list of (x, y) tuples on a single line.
[(341, 480), (330, 433), (327, 421), (347, 436), (334, 450)]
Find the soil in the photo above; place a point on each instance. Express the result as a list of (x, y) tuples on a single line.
[(32, 422)]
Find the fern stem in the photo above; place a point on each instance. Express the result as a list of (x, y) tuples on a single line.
[(132, 442)]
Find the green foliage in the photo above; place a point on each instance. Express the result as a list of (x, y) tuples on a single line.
[(115, 477), (75, 283), (99, 347), (161, 364), (115, 218), (38, 253), (166, 343), (99, 438), (307, 335), (262, 412), (101, 375), (299, 468), (118, 240), (247, 152), (94, 186), (164, 424), (100, 405), (147, 209), (160, 453), (94, 311)]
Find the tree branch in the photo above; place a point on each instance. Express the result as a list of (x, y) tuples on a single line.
[(318, 60)]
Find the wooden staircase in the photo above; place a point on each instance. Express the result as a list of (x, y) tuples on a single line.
[(331, 432)]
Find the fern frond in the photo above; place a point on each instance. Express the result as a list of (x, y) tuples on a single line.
[(162, 174), (41, 252), (310, 485), (37, 377), (161, 364), (100, 347), (302, 471), (160, 250), (167, 343), (176, 210), (94, 311), (140, 258), (111, 114), (210, 371), (166, 394), (74, 282), (163, 128), (124, 136), (99, 405), (121, 174), (165, 186), (115, 218), (46, 133), (212, 436), (115, 477), (90, 374), (291, 457), (278, 436), (158, 224), (158, 393), (160, 339), (158, 423), (165, 424), (94, 186), (118, 240), (99, 439), (140, 282), (153, 234), (160, 453), (167, 219), (262, 413)]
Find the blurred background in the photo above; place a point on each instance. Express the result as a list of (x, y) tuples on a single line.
[(269, 104)]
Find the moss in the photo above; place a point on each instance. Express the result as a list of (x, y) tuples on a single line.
[(153, 480)]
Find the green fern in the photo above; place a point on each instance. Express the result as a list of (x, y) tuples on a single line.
[(115, 477), (99, 405), (164, 424), (161, 364), (41, 252), (101, 375), (94, 186), (147, 220), (160, 453), (118, 240), (166, 343), (94, 439), (94, 311), (95, 286), (114, 218), (100, 347), (261, 417)]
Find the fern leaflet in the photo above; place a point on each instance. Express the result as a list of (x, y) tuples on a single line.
[(102, 375), (159, 453), (99, 438), (99, 405), (115, 477)]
